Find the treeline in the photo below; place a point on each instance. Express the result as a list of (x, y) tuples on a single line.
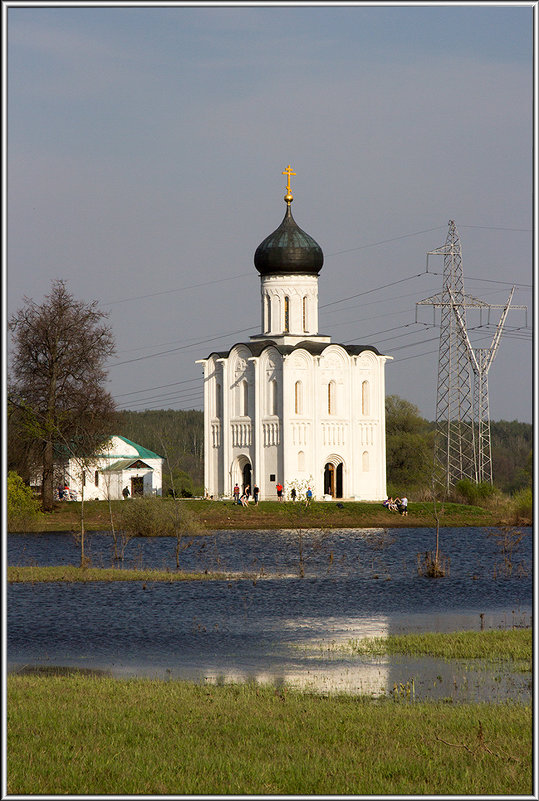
[(410, 441), (179, 437), (512, 461)]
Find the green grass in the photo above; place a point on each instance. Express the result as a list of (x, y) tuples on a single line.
[(510, 644), (86, 735), (218, 515), (70, 573)]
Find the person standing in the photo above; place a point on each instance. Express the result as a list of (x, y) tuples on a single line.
[(236, 494), (308, 496), (404, 506), (293, 493), (279, 492), (256, 492), (247, 492)]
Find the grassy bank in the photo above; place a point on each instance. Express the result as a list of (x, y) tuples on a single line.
[(219, 515), (93, 735), (70, 573), (509, 644)]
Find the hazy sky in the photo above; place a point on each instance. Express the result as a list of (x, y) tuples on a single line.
[(145, 152)]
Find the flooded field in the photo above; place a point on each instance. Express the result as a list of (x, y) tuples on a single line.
[(300, 594)]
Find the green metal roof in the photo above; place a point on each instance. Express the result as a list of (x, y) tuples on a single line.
[(144, 453), (62, 451), (123, 464)]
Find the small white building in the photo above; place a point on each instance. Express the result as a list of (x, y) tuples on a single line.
[(289, 406), (119, 464)]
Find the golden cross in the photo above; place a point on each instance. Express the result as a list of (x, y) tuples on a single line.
[(288, 172)]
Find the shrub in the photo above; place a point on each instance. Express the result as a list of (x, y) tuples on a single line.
[(151, 517), (474, 493), (523, 503), (23, 509)]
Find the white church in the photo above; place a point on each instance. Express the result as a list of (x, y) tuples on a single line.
[(290, 407)]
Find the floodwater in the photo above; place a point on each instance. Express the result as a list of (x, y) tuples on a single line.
[(294, 599)]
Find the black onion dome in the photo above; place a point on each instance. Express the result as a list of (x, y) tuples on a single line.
[(289, 250)]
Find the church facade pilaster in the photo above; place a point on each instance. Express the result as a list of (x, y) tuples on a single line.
[(225, 429)]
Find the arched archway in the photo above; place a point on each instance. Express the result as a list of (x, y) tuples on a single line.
[(241, 472), (333, 477)]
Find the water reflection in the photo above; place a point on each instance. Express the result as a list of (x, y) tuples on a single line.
[(273, 626)]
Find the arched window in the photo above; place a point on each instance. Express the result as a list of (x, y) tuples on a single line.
[(218, 400), (298, 398), (331, 397), (305, 314), (301, 460), (268, 314), (273, 397), (286, 314), (245, 398), (365, 461), (365, 398)]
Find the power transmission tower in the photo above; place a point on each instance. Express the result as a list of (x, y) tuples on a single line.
[(481, 360), (462, 447), (454, 444)]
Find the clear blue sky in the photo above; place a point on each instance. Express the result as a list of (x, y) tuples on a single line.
[(145, 151)]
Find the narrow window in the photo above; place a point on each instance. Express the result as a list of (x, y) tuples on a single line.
[(331, 397), (245, 393), (298, 398), (273, 398), (96, 478), (286, 314), (305, 314), (365, 461), (218, 400), (268, 314), (365, 398), (301, 460)]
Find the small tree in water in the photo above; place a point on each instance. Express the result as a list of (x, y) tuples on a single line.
[(159, 517), (434, 564)]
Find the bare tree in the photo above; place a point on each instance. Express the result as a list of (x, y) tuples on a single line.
[(57, 378)]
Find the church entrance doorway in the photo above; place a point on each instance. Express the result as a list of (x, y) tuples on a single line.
[(246, 477), (241, 473), (329, 479), (333, 480), (137, 486)]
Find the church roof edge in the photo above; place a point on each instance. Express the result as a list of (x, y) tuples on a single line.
[(314, 348)]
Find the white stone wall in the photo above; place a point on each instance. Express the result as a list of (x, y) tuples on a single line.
[(110, 484), (302, 294), (277, 414)]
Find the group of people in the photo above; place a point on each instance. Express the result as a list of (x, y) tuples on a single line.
[(63, 493), (397, 505), (244, 498)]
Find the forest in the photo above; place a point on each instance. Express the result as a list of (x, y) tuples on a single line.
[(178, 436)]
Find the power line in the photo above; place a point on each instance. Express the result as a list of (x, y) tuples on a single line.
[(498, 228), (183, 347), (375, 289), (385, 241), (490, 280), (179, 289), (162, 386), (186, 393)]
